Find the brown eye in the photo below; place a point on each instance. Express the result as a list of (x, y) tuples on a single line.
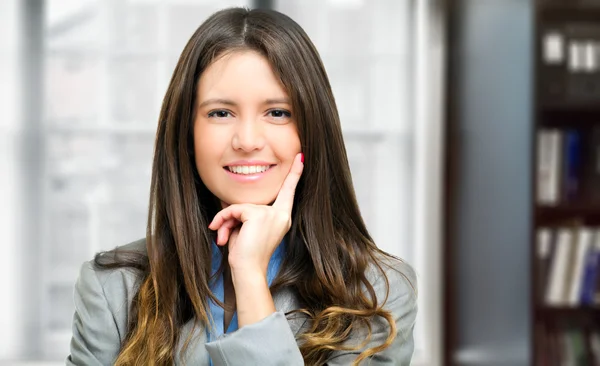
[(280, 113), (219, 114)]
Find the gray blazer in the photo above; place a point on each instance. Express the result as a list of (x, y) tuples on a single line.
[(102, 301)]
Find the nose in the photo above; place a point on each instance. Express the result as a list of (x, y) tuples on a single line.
[(248, 136)]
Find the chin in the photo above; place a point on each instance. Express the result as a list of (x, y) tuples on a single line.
[(252, 199)]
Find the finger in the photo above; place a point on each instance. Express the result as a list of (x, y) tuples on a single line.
[(285, 198), (238, 212), (224, 231), (220, 218), (222, 235)]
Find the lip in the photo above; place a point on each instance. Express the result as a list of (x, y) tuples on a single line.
[(248, 178), (248, 162)]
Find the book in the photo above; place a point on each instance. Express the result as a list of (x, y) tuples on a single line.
[(583, 78), (579, 347), (590, 272), (592, 166), (582, 251), (596, 287), (556, 292), (549, 166), (553, 48), (572, 165), (545, 248), (595, 347)]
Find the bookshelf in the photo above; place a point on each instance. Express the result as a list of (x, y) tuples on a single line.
[(565, 237)]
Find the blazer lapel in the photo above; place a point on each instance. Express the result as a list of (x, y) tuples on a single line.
[(286, 300), (196, 353)]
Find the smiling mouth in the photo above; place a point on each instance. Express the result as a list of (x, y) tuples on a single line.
[(248, 169)]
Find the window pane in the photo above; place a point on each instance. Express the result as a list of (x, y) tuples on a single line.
[(75, 24), (77, 76), (135, 27), (134, 96)]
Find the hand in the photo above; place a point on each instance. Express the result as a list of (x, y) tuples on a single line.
[(262, 227)]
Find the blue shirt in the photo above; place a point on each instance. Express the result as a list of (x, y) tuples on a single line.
[(216, 286)]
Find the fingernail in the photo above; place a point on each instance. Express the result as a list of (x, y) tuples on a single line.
[(302, 157)]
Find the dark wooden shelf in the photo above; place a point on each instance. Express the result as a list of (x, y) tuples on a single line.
[(553, 314), (585, 317), (572, 10), (569, 5), (592, 108), (569, 115), (549, 214), (568, 310)]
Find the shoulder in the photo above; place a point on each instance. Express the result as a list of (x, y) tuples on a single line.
[(135, 246), (394, 281), (111, 278), (111, 290), (395, 286), (102, 299)]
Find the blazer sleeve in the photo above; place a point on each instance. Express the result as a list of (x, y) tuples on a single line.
[(95, 339), (271, 341), (267, 342)]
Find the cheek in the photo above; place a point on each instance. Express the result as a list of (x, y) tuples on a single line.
[(286, 142), (207, 148), (210, 141)]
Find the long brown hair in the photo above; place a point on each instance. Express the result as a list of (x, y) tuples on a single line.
[(329, 248)]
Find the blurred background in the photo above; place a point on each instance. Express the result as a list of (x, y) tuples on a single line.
[(440, 117)]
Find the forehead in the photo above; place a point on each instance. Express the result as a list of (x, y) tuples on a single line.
[(240, 74)]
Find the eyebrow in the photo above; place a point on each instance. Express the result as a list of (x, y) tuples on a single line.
[(278, 101), (232, 103)]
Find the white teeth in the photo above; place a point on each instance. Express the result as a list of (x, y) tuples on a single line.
[(248, 169)]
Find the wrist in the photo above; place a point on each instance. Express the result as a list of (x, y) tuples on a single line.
[(243, 267), (252, 295), (248, 277)]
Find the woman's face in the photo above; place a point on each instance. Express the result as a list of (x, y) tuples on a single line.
[(245, 136)]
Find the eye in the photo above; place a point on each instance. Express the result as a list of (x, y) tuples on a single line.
[(280, 113), (220, 113)]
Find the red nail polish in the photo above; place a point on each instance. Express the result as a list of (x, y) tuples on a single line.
[(302, 157)]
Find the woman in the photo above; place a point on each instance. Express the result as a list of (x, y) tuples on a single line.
[(255, 251)]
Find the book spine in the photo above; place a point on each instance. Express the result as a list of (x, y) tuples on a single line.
[(557, 283), (572, 160), (544, 253), (582, 250), (593, 176), (589, 277)]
